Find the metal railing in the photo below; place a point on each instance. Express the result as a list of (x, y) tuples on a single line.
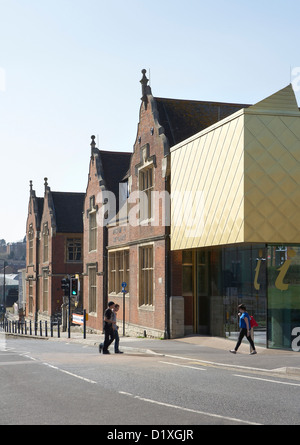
[(34, 328)]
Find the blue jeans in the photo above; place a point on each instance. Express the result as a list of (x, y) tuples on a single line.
[(117, 339), (108, 337)]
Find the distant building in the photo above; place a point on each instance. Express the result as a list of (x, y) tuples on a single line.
[(10, 283), (54, 248), (16, 250)]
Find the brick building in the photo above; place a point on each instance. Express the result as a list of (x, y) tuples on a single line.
[(127, 218), (54, 248), (106, 171)]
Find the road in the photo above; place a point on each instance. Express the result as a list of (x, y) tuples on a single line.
[(47, 382)]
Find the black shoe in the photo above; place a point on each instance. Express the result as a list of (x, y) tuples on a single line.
[(100, 348), (106, 352), (119, 352)]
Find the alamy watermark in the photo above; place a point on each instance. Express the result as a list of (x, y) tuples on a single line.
[(295, 78), (153, 208), (296, 342)]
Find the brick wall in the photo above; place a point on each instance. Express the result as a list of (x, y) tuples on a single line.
[(148, 150)]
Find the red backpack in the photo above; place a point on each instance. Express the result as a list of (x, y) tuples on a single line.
[(253, 322)]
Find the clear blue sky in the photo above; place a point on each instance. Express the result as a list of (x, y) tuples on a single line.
[(71, 68)]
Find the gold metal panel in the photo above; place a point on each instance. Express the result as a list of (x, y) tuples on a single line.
[(272, 169), (246, 170), (213, 167)]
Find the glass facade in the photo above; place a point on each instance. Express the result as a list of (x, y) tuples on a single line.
[(283, 294), (266, 278)]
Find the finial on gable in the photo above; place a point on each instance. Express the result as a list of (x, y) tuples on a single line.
[(144, 81), (46, 184), (30, 185), (93, 145)]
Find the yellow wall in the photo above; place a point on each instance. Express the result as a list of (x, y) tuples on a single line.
[(239, 180)]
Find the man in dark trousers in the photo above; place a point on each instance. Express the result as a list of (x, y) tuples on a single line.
[(108, 328)]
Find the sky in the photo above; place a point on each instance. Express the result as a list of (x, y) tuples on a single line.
[(71, 68)]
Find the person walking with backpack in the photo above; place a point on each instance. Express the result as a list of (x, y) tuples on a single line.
[(245, 330)]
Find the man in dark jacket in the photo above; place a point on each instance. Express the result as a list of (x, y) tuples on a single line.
[(108, 329)]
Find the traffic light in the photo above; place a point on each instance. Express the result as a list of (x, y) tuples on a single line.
[(65, 285), (75, 286)]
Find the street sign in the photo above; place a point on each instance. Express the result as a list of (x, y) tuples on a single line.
[(79, 318), (124, 284)]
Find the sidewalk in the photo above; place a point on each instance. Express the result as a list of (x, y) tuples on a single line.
[(210, 350)]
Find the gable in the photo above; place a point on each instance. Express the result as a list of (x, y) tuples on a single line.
[(68, 209)]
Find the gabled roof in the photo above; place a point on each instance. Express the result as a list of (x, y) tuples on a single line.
[(68, 208), (115, 167), (37, 206), (182, 119)]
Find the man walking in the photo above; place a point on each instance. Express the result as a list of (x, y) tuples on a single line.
[(108, 328), (244, 330), (116, 332)]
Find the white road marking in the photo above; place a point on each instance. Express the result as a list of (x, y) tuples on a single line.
[(184, 366), (267, 380), (227, 365), (69, 373), (16, 362), (168, 405)]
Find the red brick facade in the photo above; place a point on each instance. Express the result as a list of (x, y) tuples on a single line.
[(149, 152), (93, 255), (51, 247)]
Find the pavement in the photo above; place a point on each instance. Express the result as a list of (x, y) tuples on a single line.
[(212, 351)]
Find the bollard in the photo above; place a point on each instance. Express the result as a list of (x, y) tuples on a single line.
[(41, 329), (84, 324), (35, 327), (51, 328), (46, 330), (30, 328)]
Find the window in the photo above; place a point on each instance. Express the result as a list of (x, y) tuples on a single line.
[(92, 289), (30, 297), (118, 269), (46, 241), (146, 186), (92, 231), (30, 241), (74, 249), (187, 273), (45, 290), (146, 276)]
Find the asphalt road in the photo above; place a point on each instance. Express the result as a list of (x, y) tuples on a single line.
[(61, 383)]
